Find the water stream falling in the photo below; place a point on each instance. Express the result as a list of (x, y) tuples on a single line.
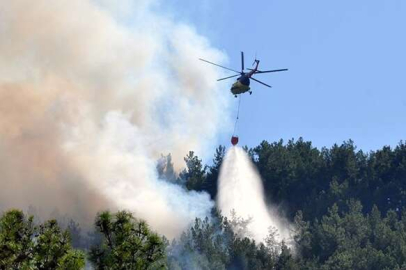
[(241, 191)]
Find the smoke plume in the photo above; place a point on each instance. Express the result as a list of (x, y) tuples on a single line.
[(241, 193), (91, 94)]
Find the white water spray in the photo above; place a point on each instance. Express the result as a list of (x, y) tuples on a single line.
[(241, 191)]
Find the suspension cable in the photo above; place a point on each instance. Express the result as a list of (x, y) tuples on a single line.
[(238, 114)]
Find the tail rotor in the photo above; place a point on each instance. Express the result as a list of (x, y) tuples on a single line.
[(256, 60), (242, 62)]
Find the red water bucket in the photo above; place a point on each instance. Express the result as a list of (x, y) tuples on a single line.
[(234, 140)]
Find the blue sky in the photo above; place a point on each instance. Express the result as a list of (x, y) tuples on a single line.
[(346, 60)]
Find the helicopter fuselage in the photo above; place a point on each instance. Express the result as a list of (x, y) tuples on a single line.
[(241, 86)]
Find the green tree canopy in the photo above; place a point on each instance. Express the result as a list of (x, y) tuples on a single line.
[(26, 246), (127, 244), (194, 175)]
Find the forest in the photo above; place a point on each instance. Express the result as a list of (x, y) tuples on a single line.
[(347, 207)]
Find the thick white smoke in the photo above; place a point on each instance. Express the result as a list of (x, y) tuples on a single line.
[(91, 93), (241, 191)]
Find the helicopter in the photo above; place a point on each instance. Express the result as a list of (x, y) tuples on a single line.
[(242, 84)]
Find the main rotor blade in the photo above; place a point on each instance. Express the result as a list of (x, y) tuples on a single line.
[(242, 61), (261, 82), (220, 66), (268, 71), (228, 77)]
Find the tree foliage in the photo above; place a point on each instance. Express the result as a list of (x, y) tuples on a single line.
[(127, 244), (213, 173), (302, 177), (213, 244), (194, 175), (26, 246)]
